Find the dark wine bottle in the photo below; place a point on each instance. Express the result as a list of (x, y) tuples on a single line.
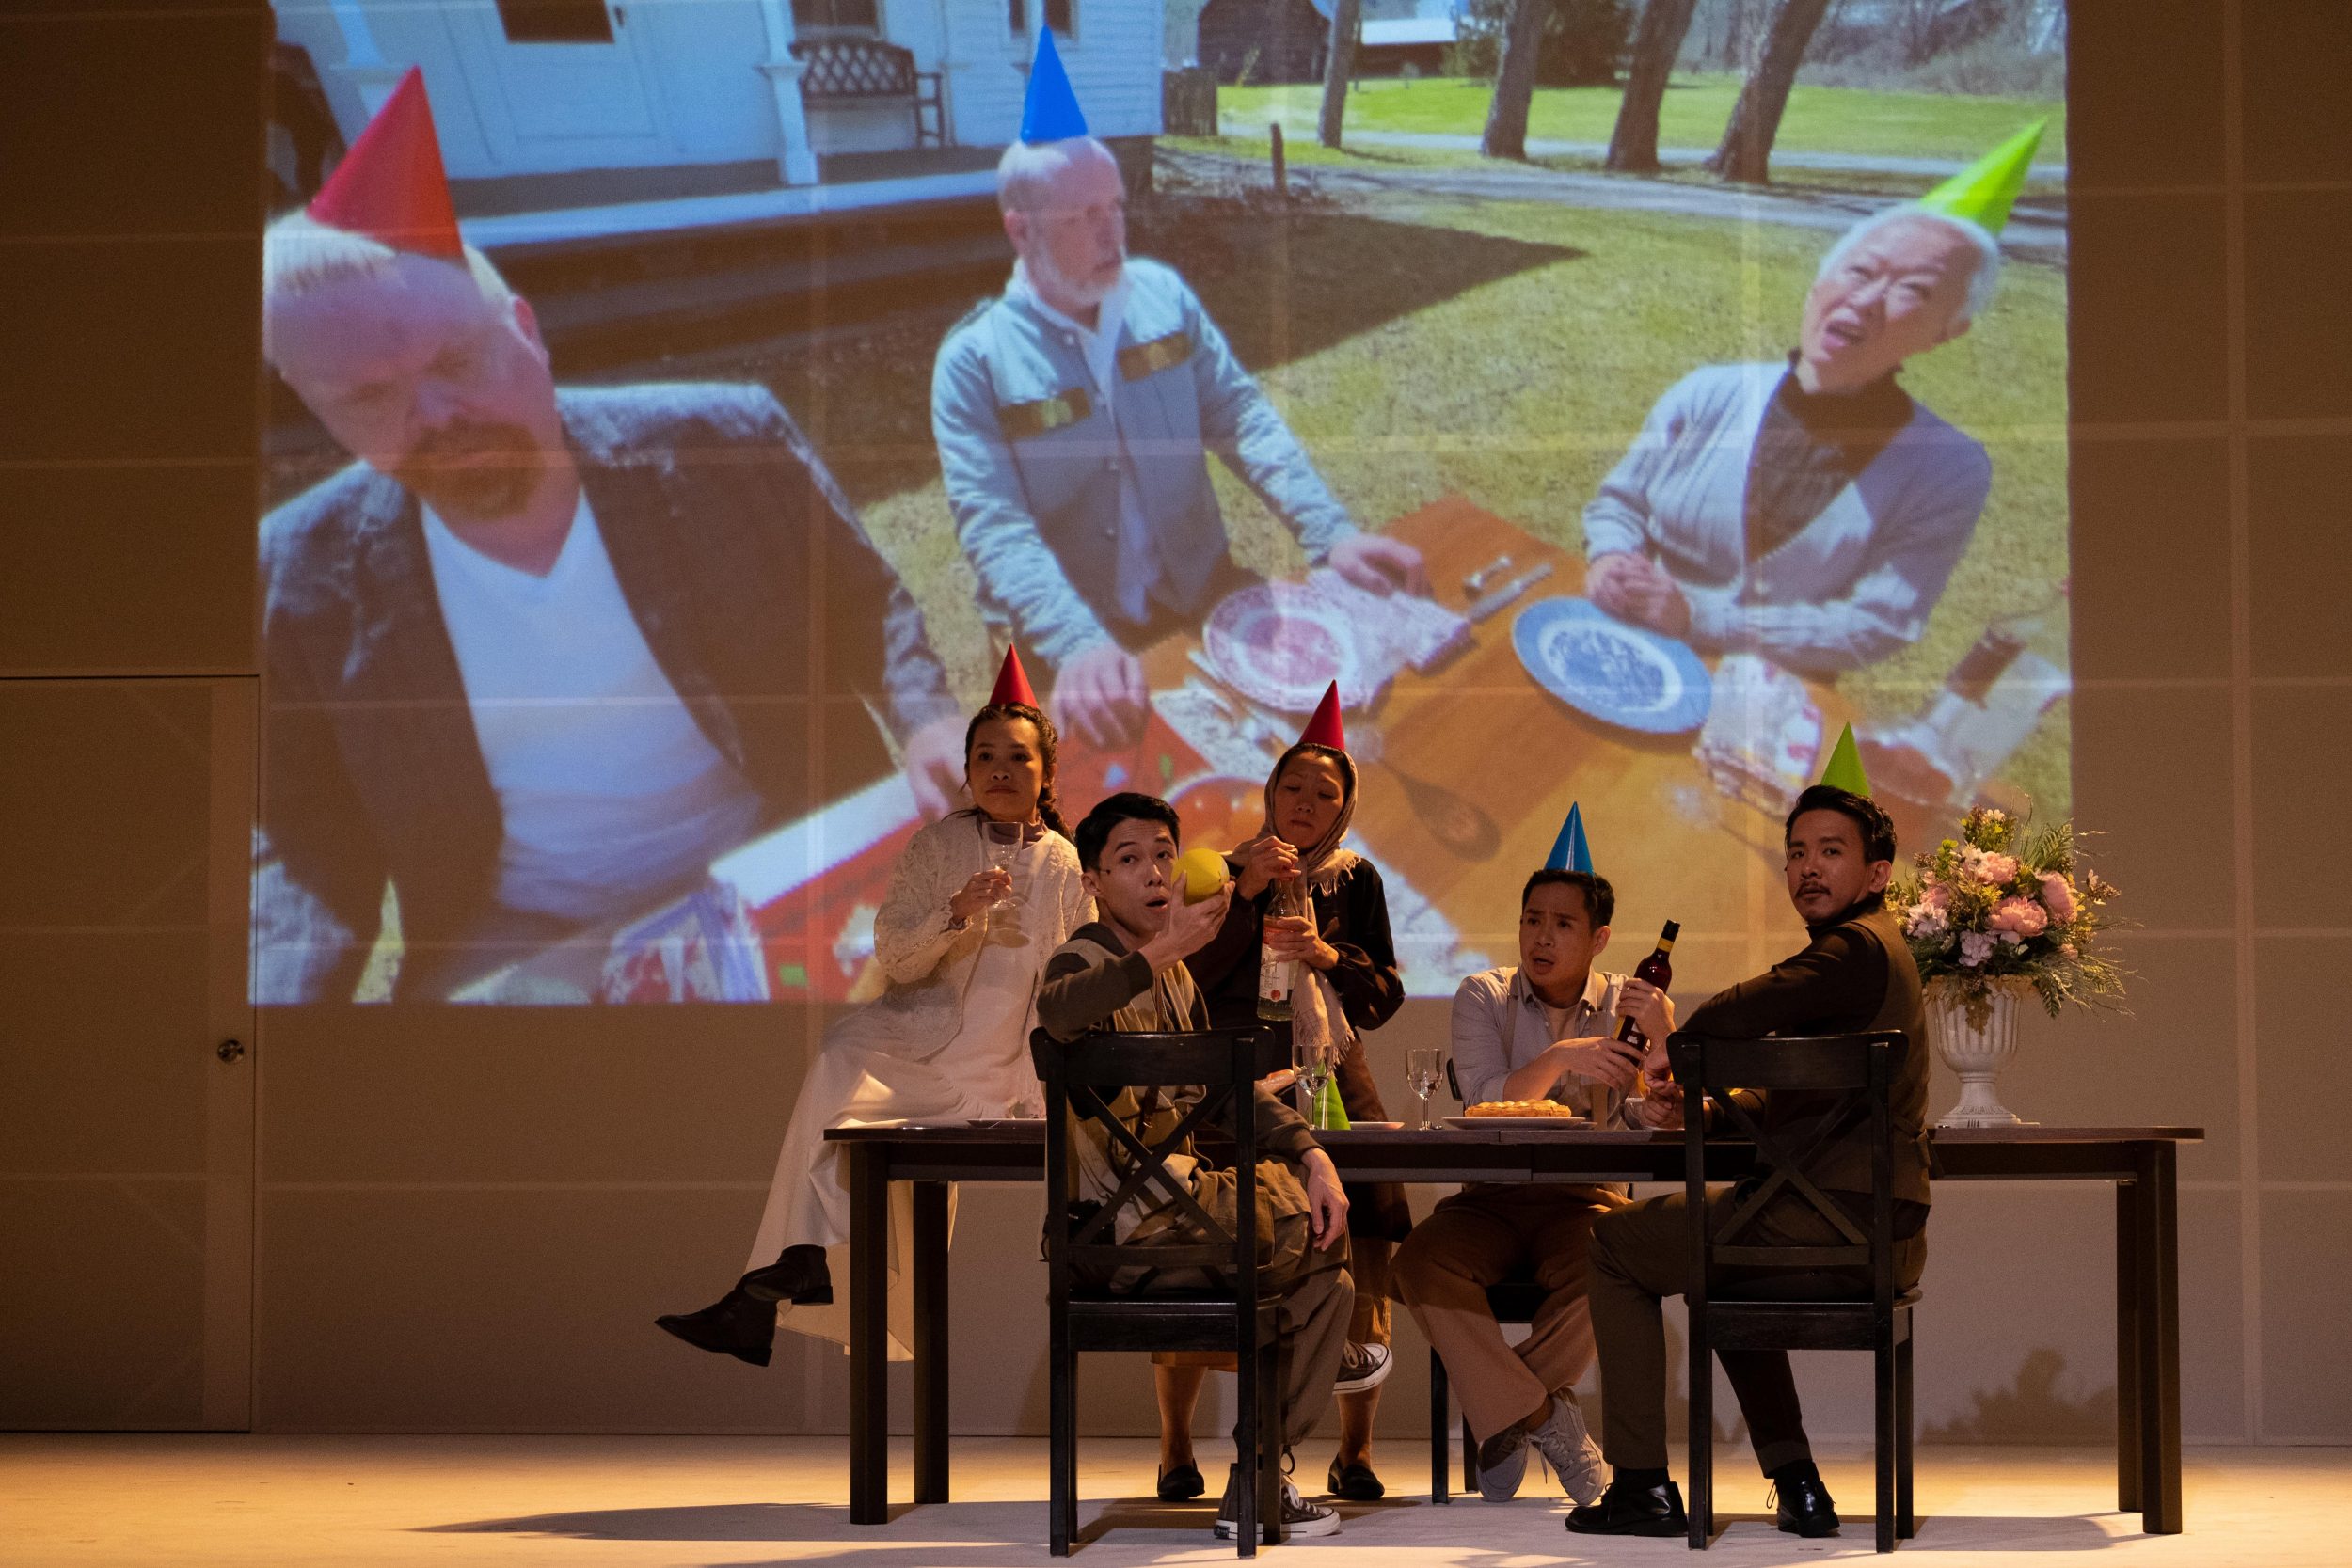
[(1658, 970)]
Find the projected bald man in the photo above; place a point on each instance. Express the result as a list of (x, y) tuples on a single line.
[(1814, 514), (1811, 513), (537, 656)]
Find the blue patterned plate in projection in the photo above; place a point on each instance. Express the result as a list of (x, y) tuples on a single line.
[(1620, 674)]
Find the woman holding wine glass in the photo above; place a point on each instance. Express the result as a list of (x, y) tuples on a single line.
[(976, 904), (1309, 930)]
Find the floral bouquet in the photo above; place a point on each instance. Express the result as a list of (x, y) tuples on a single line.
[(2003, 903)]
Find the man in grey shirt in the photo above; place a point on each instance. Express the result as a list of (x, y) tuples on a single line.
[(1545, 1030)]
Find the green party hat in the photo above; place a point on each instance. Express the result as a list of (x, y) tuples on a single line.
[(1845, 767), (1982, 191), (1330, 1112)]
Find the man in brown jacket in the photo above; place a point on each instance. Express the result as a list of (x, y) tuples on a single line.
[(1127, 972), (1854, 975)]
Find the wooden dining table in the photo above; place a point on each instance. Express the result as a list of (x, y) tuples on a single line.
[(2141, 1162)]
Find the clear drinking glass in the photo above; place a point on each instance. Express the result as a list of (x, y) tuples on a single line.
[(1423, 1070), (1313, 1064), (1000, 843)]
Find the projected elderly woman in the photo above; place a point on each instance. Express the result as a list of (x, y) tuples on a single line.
[(1812, 514)]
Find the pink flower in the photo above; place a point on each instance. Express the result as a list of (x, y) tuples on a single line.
[(2058, 894), (1996, 869), (1935, 895), (1926, 919), (2019, 918), (1974, 947)]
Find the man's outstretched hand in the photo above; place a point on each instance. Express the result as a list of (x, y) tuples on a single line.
[(934, 764), (1380, 565), (1099, 696)]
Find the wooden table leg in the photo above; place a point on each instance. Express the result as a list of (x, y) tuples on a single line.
[(2128, 1314), (869, 1336), (2157, 1254), (931, 1342)]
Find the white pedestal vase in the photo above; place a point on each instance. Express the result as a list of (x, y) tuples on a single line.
[(1978, 1054)]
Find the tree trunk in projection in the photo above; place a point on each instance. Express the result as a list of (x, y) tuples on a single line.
[(1658, 39), (1746, 152), (1339, 64), (1514, 81)]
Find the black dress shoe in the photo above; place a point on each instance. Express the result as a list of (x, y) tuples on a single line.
[(799, 1277), (1626, 1508), (735, 1324), (1804, 1508), (1355, 1483), (1182, 1485)]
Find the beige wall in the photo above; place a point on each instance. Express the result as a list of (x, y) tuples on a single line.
[(465, 1220)]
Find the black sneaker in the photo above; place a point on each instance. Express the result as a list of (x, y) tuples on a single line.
[(1626, 1508), (1363, 1366), (1300, 1517)]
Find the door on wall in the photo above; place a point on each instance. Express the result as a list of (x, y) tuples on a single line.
[(564, 85), (126, 1062)]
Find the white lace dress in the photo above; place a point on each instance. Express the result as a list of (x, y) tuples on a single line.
[(948, 1037)]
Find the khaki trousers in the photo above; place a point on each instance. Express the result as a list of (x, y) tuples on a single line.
[(1641, 1255), (1483, 1236)]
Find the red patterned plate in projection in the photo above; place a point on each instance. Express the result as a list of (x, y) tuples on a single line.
[(1280, 644)]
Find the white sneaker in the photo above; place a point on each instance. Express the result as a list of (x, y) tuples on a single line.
[(1502, 1464), (1300, 1517), (1363, 1366), (1569, 1448)]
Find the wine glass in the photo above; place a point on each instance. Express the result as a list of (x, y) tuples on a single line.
[(1000, 844), (1311, 1062), (1422, 1071)]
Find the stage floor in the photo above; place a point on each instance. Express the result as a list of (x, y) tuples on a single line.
[(353, 1502)]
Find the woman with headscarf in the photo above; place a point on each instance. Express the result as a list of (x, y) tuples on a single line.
[(1347, 983), (976, 904)]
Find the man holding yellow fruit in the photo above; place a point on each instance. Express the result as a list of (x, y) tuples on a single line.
[(1125, 971)]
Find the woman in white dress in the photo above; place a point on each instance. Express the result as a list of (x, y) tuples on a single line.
[(976, 904)]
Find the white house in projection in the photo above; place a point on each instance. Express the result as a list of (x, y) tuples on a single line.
[(574, 118)]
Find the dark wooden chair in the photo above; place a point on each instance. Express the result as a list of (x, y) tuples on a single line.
[(1081, 1079), (1859, 1067), (1514, 1301), (868, 70)]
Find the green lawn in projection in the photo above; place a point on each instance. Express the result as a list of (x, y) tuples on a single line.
[(1854, 121)]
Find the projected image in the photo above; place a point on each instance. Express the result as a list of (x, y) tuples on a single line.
[(677, 411)]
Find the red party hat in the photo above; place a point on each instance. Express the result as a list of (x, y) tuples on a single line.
[(1324, 728), (390, 185), (1012, 683)]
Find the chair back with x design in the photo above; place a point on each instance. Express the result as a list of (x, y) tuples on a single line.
[(1839, 1085), (1086, 1084)]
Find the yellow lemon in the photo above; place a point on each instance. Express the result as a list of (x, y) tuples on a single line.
[(1203, 871)]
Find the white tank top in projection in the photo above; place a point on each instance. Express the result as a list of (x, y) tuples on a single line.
[(608, 789)]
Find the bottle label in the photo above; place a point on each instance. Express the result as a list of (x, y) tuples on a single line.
[(1274, 977)]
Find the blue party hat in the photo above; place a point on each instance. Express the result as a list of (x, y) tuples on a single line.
[(1569, 852), (1051, 111)]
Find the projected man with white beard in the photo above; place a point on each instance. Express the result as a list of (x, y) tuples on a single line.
[(1073, 415), (1813, 514), (537, 656)]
